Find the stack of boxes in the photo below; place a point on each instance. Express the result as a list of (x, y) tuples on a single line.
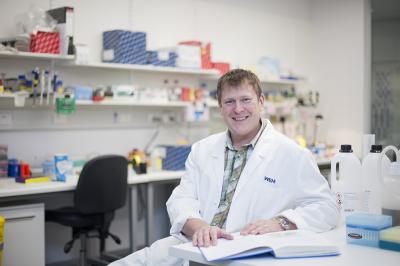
[(129, 47)]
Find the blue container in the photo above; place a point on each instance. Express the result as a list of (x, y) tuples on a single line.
[(364, 228), (128, 47), (62, 167), (175, 157), (13, 168)]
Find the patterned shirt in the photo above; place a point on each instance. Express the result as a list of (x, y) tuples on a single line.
[(234, 162)]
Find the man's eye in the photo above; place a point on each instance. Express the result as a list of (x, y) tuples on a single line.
[(247, 100), (229, 102)]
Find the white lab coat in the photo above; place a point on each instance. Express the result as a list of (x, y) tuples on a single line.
[(280, 178)]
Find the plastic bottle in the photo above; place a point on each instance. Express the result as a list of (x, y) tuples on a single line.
[(391, 182), (371, 201), (346, 185)]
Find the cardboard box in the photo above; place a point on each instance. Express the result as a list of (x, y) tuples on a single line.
[(161, 58), (175, 157), (65, 25), (205, 52), (125, 47)]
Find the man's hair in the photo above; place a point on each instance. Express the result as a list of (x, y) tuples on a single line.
[(236, 77)]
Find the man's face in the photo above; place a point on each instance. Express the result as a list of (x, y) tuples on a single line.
[(241, 110)]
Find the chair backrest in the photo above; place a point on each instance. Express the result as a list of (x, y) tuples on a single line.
[(102, 185)]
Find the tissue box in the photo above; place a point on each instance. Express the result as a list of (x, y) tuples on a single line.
[(175, 157), (364, 228), (125, 47), (161, 58), (45, 42), (390, 238)]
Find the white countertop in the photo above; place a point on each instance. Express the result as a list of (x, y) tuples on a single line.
[(350, 255), (10, 188)]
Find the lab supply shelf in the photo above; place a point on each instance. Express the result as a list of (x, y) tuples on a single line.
[(39, 56), (131, 103), (145, 68), (280, 82), (14, 101)]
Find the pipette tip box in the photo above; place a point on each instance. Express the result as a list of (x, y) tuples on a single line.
[(364, 228)]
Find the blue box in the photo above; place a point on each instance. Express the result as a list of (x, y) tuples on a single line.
[(153, 58), (364, 228), (83, 93), (124, 47), (175, 157)]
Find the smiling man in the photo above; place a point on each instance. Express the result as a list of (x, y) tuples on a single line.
[(249, 178)]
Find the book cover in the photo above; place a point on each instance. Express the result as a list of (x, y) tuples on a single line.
[(284, 244)]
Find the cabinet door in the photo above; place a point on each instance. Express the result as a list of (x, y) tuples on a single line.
[(23, 235)]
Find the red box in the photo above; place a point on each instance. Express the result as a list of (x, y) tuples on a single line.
[(221, 67), (45, 42)]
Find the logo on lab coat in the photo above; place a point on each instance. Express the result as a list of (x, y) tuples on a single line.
[(269, 179)]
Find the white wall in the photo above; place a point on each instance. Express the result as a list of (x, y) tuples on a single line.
[(322, 40), (340, 54)]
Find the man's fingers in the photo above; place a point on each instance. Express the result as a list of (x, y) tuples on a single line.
[(214, 236), (194, 239), (206, 236), (225, 235)]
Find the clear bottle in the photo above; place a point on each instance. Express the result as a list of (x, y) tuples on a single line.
[(371, 201), (391, 183), (347, 183)]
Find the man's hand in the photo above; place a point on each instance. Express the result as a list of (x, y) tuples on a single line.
[(208, 235), (260, 227), (203, 235)]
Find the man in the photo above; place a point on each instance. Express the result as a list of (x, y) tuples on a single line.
[(250, 179)]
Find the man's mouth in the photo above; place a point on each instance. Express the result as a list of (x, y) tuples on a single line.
[(240, 118)]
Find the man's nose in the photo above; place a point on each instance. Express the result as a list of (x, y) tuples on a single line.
[(238, 106)]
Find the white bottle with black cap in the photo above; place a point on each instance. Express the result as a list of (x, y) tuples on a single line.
[(346, 184), (371, 200)]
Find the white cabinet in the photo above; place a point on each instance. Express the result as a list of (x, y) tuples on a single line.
[(23, 235)]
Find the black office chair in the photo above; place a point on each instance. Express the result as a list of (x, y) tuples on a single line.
[(101, 189)]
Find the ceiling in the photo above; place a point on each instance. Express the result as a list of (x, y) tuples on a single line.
[(385, 9)]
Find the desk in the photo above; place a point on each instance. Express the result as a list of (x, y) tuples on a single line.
[(351, 255), (12, 191)]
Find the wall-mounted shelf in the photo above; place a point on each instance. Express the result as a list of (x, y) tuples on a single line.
[(9, 101), (281, 82), (39, 56), (130, 103), (146, 68)]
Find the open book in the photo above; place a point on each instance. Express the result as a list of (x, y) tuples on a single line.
[(284, 244)]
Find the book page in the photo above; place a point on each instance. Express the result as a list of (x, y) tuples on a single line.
[(226, 248), (294, 243)]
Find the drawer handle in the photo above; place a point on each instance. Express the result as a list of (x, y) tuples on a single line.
[(20, 218)]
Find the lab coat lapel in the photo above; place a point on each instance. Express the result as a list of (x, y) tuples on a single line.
[(217, 160), (262, 154)]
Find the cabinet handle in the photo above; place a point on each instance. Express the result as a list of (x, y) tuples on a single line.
[(20, 218)]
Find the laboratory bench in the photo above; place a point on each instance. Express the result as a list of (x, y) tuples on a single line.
[(23, 208)]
